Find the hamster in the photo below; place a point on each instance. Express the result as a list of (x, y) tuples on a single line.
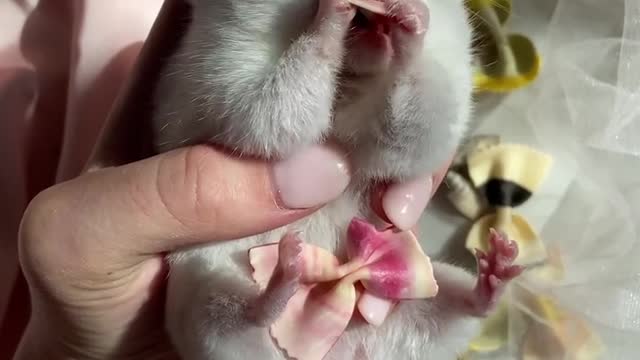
[(265, 78)]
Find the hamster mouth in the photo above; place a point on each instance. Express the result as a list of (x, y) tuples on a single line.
[(370, 31), (365, 21), (369, 45), (360, 21)]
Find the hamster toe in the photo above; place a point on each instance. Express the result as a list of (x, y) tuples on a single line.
[(290, 257)]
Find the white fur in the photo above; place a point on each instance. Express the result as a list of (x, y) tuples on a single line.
[(216, 88)]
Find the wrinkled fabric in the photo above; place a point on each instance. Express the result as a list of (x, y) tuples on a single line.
[(61, 66)]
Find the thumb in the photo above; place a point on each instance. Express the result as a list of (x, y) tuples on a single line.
[(181, 198)]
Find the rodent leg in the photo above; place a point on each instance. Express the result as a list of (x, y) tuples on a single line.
[(292, 105), (223, 313)]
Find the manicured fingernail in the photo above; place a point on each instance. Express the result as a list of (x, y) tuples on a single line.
[(404, 203), (374, 309), (311, 177)]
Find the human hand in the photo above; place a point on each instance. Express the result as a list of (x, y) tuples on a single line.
[(92, 248)]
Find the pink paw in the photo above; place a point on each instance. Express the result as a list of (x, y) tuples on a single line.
[(409, 23), (290, 258), (411, 15), (331, 10), (332, 24), (495, 270)]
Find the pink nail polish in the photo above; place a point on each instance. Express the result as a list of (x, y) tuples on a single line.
[(311, 177), (404, 203)]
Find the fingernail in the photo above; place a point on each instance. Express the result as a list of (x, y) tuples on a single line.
[(311, 177), (374, 309), (404, 203)]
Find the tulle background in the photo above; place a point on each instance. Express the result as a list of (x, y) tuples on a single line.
[(584, 110)]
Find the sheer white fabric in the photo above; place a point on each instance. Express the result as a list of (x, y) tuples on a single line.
[(585, 111)]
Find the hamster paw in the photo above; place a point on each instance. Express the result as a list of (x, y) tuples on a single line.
[(411, 15), (410, 20), (290, 258), (332, 22), (329, 9), (284, 282), (495, 270)]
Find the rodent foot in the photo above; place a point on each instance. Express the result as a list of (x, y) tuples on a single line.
[(495, 270)]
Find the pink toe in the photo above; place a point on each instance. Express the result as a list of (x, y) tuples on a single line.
[(482, 281), (494, 281), (514, 249), (484, 265), (494, 241), (290, 245), (289, 255), (513, 271)]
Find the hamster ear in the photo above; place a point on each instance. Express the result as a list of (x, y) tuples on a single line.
[(127, 134)]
